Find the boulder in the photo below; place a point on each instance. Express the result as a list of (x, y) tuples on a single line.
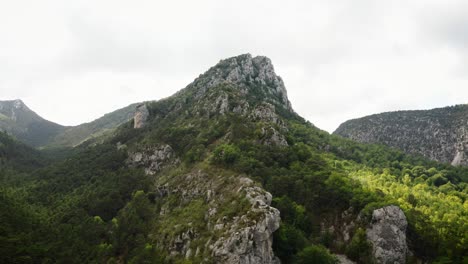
[(387, 235)]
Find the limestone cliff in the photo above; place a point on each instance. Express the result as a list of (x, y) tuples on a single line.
[(439, 134)]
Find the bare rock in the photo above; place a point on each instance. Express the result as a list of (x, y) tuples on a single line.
[(461, 149), (249, 241), (153, 159), (439, 134), (387, 234), (272, 137), (243, 71), (265, 112), (141, 116)]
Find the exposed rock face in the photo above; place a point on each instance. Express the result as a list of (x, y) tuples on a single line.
[(266, 112), (244, 237), (461, 156), (246, 73), (439, 134), (141, 116), (387, 234), (272, 137), (251, 244), (153, 159)]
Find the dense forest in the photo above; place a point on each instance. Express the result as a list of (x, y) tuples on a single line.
[(88, 205)]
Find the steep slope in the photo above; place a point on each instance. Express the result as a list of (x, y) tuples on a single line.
[(17, 156), (224, 171), (24, 124), (439, 134), (75, 135)]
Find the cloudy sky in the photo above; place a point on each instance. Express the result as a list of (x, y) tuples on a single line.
[(73, 61)]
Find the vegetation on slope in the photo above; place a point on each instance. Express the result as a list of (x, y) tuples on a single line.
[(90, 207)]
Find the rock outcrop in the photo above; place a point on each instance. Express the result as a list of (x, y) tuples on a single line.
[(141, 116), (244, 236), (153, 159), (439, 134), (251, 244), (387, 234), (246, 73)]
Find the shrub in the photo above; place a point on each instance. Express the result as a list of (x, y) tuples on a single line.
[(359, 249), (315, 254), (226, 154)]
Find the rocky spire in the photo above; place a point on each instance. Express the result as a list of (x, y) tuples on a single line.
[(141, 116)]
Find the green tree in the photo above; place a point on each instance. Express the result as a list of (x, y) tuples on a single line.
[(315, 254)]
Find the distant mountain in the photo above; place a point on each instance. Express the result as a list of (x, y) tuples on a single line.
[(21, 122), (439, 134), (17, 120), (73, 136)]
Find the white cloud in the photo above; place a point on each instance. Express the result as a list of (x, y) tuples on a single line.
[(73, 62)]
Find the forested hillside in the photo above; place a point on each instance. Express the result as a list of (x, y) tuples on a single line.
[(192, 182), (22, 123)]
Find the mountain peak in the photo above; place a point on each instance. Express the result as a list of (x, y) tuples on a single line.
[(247, 73), (24, 124), (16, 104)]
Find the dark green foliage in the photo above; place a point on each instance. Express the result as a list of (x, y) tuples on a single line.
[(87, 206), (64, 216), (18, 236), (315, 254), (16, 155), (288, 240), (226, 154), (130, 228), (359, 249)]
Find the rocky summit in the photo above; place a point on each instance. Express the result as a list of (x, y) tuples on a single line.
[(224, 171), (248, 74), (439, 134)]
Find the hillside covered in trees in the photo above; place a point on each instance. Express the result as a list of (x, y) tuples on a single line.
[(191, 183)]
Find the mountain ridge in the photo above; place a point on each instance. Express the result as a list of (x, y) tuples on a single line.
[(439, 134), (243, 71), (18, 120)]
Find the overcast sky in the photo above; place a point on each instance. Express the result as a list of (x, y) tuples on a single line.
[(73, 61)]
